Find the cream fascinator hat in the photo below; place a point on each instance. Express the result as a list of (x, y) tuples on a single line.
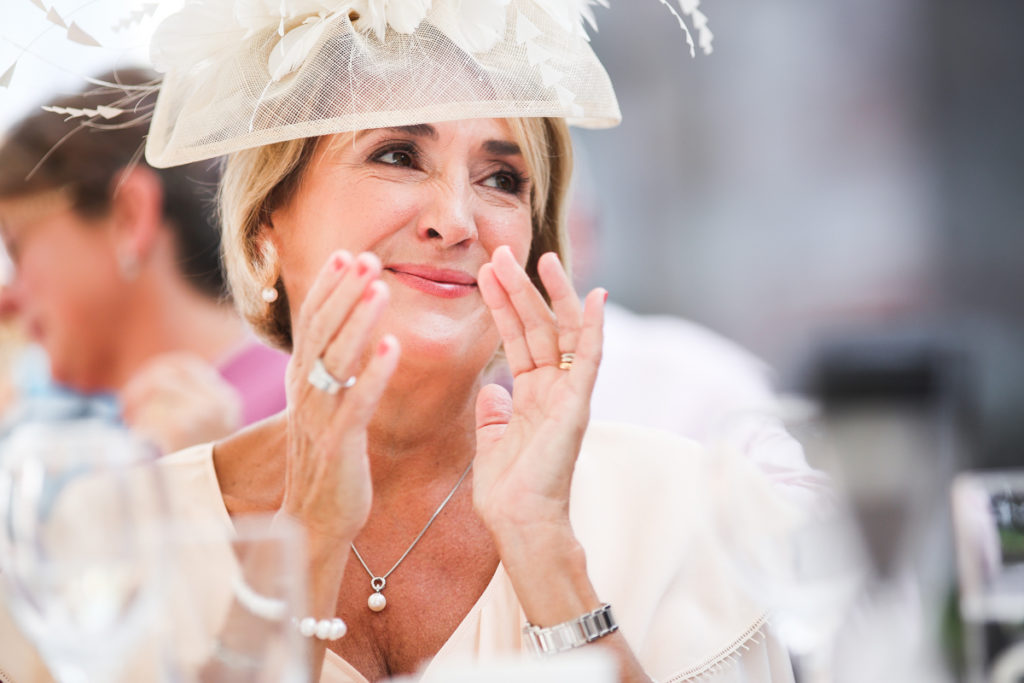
[(246, 73)]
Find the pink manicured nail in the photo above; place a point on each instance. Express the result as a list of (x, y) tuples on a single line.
[(370, 292), (604, 297), (338, 262), (383, 346)]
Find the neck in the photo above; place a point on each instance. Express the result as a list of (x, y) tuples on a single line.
[(424, 427), (166, 314)]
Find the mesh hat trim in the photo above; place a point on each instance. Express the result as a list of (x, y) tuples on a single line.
[(351, 80)]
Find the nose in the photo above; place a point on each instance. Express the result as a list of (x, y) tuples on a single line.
[(447, 217)]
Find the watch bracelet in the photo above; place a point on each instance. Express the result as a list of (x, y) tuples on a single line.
[(571, 634)]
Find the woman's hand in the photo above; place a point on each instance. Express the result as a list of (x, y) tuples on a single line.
[(327, 483), (527, 444), (178, 400)]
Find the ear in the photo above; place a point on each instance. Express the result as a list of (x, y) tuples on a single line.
[(136, 212)]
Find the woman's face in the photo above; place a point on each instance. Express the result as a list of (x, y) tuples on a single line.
[(65, 287), (432, 202)]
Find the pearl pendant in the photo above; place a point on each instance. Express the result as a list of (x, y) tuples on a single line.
[(376, 602)]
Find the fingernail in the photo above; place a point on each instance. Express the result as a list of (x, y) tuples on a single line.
[(604, 297), (384, 346), (370, 292), (339, 261)]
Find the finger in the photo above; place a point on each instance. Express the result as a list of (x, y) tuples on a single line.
[(583, 372), (324, 322), (537, 320), (344, 352), (510, 329), (493, 407), (493, 412), (362, 399), (564, 301), (330, 275)]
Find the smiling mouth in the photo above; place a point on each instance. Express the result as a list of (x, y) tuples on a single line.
[(447, 284)]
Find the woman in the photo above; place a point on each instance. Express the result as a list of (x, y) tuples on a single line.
[(393, 261), (117, 278)]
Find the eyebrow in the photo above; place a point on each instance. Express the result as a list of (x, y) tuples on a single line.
[(419, 130), (502, 148)]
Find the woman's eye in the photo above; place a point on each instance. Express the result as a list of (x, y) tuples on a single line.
[(506, 182), (396, 157)]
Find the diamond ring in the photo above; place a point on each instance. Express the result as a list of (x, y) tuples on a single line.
[(323, 380)]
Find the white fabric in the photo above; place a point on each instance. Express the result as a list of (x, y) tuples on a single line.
[(668, 373), (642, 506)]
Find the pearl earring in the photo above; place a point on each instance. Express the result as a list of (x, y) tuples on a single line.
[(269, 294)]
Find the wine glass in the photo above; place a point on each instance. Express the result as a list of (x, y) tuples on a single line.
[(233, 592), (76, 566)]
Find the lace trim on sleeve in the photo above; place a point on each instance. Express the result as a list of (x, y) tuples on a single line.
[(753, 635)]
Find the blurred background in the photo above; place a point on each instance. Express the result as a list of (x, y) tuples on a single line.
[(834, 171), (837, 188)]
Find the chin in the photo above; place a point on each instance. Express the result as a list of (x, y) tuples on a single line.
[(69, 379), (451, 345), (71, 375)]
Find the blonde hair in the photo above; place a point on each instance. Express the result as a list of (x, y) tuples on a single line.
[(256, 182)]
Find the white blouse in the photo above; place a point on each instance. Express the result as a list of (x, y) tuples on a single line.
[(643, 505)]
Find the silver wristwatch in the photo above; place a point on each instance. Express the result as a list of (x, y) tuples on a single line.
[(570, 634)]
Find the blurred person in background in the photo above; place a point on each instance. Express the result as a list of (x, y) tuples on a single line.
[(665, 372), (12, 337), (117, 277), (112, 269)]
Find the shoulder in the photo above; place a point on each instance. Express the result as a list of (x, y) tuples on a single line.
[(190, 482), (191, 464), (671, 373), (635, 470), (645, 506), (680, 341)]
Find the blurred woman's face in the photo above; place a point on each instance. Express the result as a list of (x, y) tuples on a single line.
[(65, 288), (432, 202)]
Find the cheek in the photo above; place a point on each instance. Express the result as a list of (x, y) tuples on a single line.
[(514, 231), (354, 220), (77, 289)]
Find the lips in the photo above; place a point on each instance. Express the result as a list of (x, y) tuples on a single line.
[(440, 282)]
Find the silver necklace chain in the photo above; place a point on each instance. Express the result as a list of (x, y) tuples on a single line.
[(377, 583)]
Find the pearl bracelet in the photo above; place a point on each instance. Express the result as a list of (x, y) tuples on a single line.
[(270, 609), (321, 629), (273, 609)]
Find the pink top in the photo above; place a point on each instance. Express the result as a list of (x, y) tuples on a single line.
[(256, 371)]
